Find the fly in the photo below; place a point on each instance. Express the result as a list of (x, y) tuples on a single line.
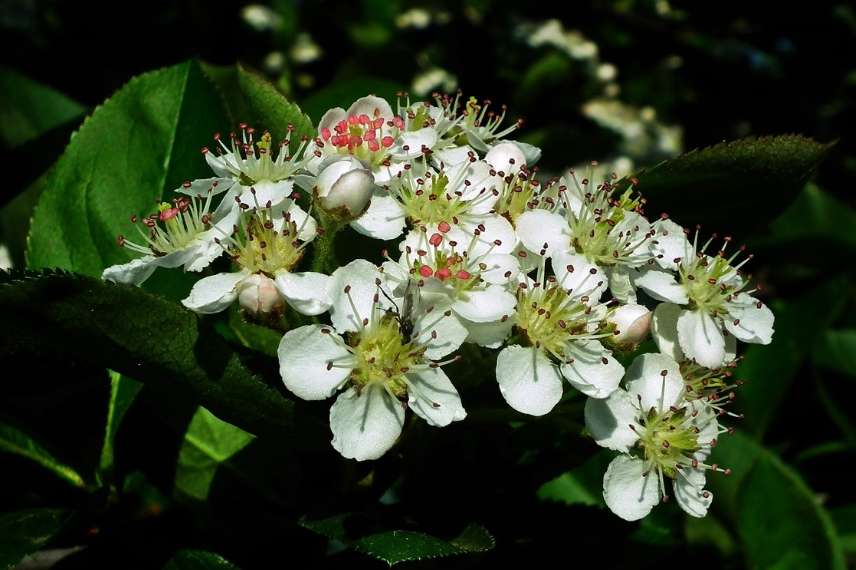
[(404, 315)]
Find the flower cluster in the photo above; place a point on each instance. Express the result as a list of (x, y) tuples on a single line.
[(564, 277)]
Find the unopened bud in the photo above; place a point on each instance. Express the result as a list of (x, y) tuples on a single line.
[(632, 323), (258, 296), (344, 188)]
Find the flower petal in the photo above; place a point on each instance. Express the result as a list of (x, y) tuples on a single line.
[(365, 424), (531, 153), (433, 398), (502, 268), (201, 187), (488, 305), (506, 157), (661, 285), (307, 227), (750, 320), (135, 272), (701, 338), (646, 381), (213, 294), (359, 277), (690, 492), (620, 284), (439, 332), (266, 191), (331, 118), (609, 421), (591, 369), (383, 219), (577, 275), (489, 335), (538, 227), (451, 156), (372, 106), (307, 292), (415, 141), (528, 380), (670, 243), (664, 329), (305, 354), (628, 491)]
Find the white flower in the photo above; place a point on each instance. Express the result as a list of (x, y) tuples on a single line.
[(344, 188), (266, 248), (632, 325), (382, 367), (609, 231), (662, 436), (561, 323), (179, 234), (705, 303)]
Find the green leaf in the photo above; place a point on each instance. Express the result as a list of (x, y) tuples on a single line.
[(814, 215), (24, 532), (770, 370), (198, 560), (123, 391), (836, 350), (343, 92), (136, 148), (208, 442), (845, 521), (733, 186), (778, 518), (580, 486), (251, 99), (13, 440), (28, 109), (153, 340)]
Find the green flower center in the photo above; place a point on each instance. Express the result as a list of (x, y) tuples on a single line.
[(383, 356), (428, 201), (592, 232), (704, 280), (259, 248), (550, 317), (668, 440)]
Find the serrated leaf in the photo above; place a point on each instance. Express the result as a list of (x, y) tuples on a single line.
[(24, 532), (198, 560), (208, 442), (123, 391), (133, 150), (732, 186), (15, 441), (474, 538), (133, 332), (331, 527), (251, 99), (778, 518), (398, 546)]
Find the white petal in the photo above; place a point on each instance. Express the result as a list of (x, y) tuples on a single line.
[(135, 272), (414, 141), (531, 153), (307, 292), (384, 218), (452, 156), (498, 233), (360, 276), (198, 256), (592, 370), (627, 492), (372, 106), (439, 332), (620, 284), (660, 285), (307, 227), (670, 243), (331, 118), (265, 191), (502, 268), (690, 492), (664, 329), (489, 335), (754, 320), (528, 381), (609, 420), (576, 274), (305, 354), (433, 397), (701, 338), (365, 424), (213, 294), (506, 157), (538, 227), (485, 306), (201, 187), (223, 166), (646, 381)]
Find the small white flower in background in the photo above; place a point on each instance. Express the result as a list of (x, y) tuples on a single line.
[(248, 173), (608, 230), (561, 325), (382, 364), (183, 233), (266, 248), (663, 436), (344, 188), (458, 276), (705, 303), (632, 326)]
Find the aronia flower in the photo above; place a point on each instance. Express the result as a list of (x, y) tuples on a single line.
[(662, 435), (382, 365)]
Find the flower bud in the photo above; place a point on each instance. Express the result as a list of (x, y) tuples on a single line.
[(258, 295), (632, 325), (344, 188)]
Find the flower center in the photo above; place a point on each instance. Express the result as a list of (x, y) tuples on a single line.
[(593, 230), (519, 193), (478, 118), (383, 356), (172, 228), (429, 201), (258, 247), (364, 137), (668, 439), (251, 162), (550, 317)]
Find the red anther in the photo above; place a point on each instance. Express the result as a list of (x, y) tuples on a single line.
[(364, 119), (387, 141), (341, 127), (353, 120), (370, 136), (398, 122), (242, 125), (204, 150), (373, 145), (355, 140), (426, 271), (463, 274), (444, 227), (421, 252), (325, 133), (168, 214), (435, 240), (443, 274), (377, 123), (120, 240)]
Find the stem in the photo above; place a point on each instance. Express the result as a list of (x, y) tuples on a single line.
[(324, 251)]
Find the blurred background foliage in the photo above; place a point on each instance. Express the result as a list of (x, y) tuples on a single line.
[(629, 83)]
